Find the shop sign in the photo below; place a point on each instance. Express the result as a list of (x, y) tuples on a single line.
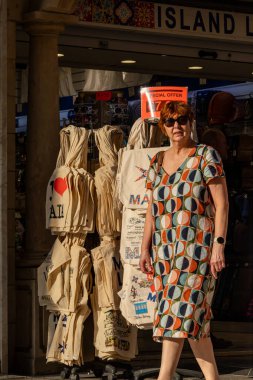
[(203, 22), (153, 100), (171, 19)]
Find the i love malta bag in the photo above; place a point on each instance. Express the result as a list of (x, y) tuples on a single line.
[(133, 174)]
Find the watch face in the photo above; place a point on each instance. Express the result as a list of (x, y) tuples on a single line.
[(220, 240)]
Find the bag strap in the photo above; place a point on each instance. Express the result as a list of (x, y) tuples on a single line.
[(160, 161), (160, 156)]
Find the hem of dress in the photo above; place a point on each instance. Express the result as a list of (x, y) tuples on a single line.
[(160, 339)]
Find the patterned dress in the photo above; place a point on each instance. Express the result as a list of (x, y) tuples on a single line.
[(183, 215)]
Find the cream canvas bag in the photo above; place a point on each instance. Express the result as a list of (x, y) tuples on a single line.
[(131, 236), (138, 298), (132, 178)]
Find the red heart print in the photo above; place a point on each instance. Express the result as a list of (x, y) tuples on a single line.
[(60, 185)]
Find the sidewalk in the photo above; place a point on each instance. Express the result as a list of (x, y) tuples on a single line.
[(237, 367), (90, 376), (235, 362)]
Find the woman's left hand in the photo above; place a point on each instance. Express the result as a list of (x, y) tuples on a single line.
[(217, 262)]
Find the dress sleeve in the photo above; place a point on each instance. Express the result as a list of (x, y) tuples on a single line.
[(151, 173), (212, 164)]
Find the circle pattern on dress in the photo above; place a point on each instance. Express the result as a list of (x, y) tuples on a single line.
[(182, 209)]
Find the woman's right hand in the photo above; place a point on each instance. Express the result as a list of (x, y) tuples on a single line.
[(145, 262)]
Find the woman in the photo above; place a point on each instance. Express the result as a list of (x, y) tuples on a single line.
[(187, 221)]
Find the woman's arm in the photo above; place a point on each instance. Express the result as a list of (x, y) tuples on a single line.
[(218, 190), (145, 262)]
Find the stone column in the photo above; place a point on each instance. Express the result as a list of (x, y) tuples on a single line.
[(42, 149), (43, 133), (3, 191), (11, 176)]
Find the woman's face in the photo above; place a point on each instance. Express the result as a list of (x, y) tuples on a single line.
[(178, 128)]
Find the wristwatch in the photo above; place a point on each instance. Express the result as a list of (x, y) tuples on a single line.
[(219, 240)]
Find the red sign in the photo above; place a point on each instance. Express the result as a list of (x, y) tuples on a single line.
[(153, 100), (104, 95)]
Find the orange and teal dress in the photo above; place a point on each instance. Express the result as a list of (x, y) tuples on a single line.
[(183, 216)]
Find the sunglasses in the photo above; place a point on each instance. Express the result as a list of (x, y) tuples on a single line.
[(181, 120)]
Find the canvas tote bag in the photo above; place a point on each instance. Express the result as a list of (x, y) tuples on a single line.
[(132, 178)]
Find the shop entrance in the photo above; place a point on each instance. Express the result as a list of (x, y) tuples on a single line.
[(166, 61)]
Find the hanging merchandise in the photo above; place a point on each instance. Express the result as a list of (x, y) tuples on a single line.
[(117, 110), (108, 218), (144, 135), (56, 262), (108, 273), (73, 147), (137, 294), (64, 278), (64, 283), (138, 297), (103, 80), (114, 110), (132, 177), (70, 191), (66, 87), (221, 108), (108, 140), (65, 337), (114, 338), (71, 188), (131, 236), (86, 113), (135, 79)]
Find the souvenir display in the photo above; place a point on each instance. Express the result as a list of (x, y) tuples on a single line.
[(64, 278), (86, 111), (112, 202)]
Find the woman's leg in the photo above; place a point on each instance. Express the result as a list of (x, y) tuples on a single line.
[(171, 351), (203, 352)]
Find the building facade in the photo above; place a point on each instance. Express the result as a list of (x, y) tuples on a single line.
[(161, 37)]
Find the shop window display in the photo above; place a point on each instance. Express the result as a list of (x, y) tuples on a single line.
[(232, 302), (86, 112), (228, 126), (90, 113)]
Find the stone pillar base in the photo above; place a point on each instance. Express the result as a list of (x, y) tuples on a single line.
[(31, 327)]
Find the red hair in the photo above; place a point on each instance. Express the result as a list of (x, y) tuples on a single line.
[(172, 108)]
